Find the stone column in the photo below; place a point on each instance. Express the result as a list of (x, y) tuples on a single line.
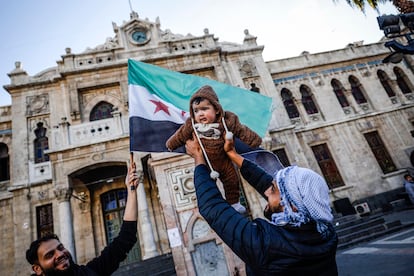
[(64, 131), (351, 100), (118, 122), (65, 219), (303, 114), (150, 249)]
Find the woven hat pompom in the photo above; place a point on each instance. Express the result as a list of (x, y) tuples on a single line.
[(229, 135), (214, 175)]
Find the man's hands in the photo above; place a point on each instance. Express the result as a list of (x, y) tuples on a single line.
[(229, 144), (132, 178), (231, 152), (193, 149), (131, 182)]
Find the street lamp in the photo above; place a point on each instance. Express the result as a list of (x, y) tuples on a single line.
[(394, 57), (391, 25)]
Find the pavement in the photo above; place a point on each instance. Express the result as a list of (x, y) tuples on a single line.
[(391, 254), (406, 216)]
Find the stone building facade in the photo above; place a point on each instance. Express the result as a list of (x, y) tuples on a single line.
[(64, 142)]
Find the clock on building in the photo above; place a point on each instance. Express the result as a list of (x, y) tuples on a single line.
[(140, 36)]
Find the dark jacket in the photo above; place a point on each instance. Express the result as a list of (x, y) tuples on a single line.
[(266, 249), (112, 255)]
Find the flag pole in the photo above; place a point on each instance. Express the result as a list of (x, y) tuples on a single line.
[(131, 161)]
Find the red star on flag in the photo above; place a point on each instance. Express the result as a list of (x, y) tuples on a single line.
[(183, 113), (160, 106)]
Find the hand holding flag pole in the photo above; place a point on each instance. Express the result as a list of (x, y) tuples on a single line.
[(133, 166)]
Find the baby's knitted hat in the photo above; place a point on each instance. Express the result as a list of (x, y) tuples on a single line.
[(208, 93)]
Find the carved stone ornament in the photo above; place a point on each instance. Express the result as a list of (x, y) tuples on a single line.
[(168, 35), (38, 104), (209, 259), (110, 43), (63, 194), (200, 229), (247, 69), (183, 189)]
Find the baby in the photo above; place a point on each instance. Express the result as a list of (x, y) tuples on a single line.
[(210, 121)]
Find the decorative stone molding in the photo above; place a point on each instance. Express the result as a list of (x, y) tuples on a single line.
[(95, 95), (318, 81), (200, 229), (249, 39), (365, 107), (42, 195), (183, 189), (315, 117), (247, 68), (84, 203), (38, 104), (296, 121), (347, 110), (364, 126), (168, 35), (63, 194), (110, 43), (209, 258), (33, 123)]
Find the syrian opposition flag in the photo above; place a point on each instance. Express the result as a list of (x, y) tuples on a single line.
[(159, 102)]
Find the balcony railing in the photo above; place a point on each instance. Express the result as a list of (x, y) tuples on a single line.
[(67, 136)]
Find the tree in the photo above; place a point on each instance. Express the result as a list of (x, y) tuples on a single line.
[(403, 6)]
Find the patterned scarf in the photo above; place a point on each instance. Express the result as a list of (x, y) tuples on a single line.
[(308, 192)]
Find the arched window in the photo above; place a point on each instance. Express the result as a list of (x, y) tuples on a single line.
[(41, 144), (402, 81), (385, 81), (289, 104), (356, 87), (102, 110), (307, 100), (339, 92), (4, 162), (113, 208)]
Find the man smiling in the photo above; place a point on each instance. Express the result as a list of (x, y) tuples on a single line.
[(48, 256)]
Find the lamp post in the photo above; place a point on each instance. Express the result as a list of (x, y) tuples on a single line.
[(391, 25)]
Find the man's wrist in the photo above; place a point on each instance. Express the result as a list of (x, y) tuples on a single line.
[(231, 154), (199, 159)]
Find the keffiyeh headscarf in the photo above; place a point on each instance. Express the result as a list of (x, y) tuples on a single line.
[(308, 192), (300, 187)]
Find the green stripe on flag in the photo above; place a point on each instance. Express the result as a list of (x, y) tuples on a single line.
[(253, 109)]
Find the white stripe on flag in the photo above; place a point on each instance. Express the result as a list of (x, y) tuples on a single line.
[(149, 106)]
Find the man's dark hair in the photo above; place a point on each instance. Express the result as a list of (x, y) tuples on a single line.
[(406, 175), (31, 253)]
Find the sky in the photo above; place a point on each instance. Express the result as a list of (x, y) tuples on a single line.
[(36, 33)]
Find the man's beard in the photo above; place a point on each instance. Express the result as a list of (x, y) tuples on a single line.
[(268, 211), (54, 272)]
